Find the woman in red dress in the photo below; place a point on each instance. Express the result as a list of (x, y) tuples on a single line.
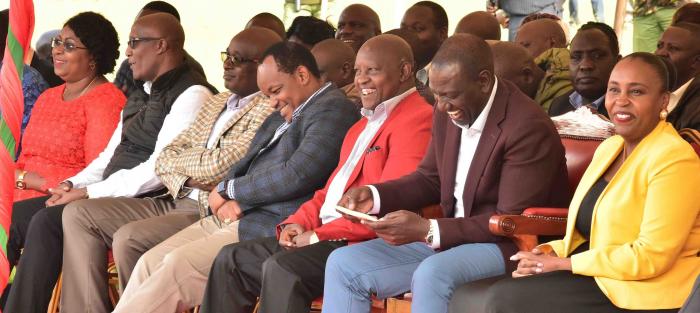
[(71, 123)]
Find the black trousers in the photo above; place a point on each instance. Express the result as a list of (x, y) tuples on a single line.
[(40, 231), (553, 292), (285, 280)]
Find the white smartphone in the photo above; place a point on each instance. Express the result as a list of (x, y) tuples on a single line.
[(359, 215)]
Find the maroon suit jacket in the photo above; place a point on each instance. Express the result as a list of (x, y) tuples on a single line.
[(519, 163)]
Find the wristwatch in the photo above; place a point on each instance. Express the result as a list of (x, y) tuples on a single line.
[(430, 236), (19, 183), (221, 189)]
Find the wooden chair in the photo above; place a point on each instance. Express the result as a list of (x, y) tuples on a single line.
[(113, 288)]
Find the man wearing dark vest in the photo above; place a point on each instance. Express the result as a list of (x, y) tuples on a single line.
[(172, 95)]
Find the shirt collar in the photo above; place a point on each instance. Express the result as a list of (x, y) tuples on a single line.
[(297, 111), (147, 87), (576, 100), (385, 108), (480, 122), (422, 74), (234, 102), (681, 90)]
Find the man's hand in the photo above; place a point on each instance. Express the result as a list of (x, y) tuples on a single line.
[(400, 227), (357, 199), (304, 239), (229, 211), (215, 201), (539, 261), (60, 196), (289, 232), (193, 183)]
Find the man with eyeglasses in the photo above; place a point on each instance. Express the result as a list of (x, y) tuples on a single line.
[(151, 118), (190, 167), (124, 79)]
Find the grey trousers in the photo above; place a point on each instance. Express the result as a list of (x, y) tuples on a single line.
[(693, 303), (129, 226)]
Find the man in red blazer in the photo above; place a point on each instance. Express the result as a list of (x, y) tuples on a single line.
[(287, 272), (493, 151)]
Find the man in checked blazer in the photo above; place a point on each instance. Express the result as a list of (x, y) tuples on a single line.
[(291, 156), (189, 167)]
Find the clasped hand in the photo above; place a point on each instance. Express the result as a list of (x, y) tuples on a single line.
[(540, 260), (225, 210), (295, 236), (64, 194)]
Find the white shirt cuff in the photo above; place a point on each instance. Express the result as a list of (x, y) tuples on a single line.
[(375, 200), (436, 234), (313, 239)]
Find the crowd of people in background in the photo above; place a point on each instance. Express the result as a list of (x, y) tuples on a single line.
[(306, 177)]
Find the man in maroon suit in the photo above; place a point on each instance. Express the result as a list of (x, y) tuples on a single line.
[(389, 142), (493, 151)]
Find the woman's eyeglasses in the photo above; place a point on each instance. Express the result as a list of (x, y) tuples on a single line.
[(68, 46), (135, 40), (234, 59)]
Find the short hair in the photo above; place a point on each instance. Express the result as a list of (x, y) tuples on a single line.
[(290, 55), (99, 37), (689, 13), (694, 29), (162, 6), (439, 14), (672, 73), (607, 31), (539, 16), (656, 63), (310, 30), (4, 24)]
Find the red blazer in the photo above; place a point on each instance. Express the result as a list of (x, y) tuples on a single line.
[(402, 142), (519, 163)]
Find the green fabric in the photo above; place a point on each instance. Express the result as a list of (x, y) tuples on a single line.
[(647, 7), (648, 29), (557, 79)]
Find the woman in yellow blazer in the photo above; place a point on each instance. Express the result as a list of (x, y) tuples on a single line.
[(633, 233)]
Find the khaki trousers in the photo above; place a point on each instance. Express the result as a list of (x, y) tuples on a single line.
[(171, 277), (127, 225)]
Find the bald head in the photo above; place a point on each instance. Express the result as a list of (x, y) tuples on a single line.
[(160, 48), (269, 21), (471, 53), (162, 25), (335, 60), (356, 24), (541, 35), (240, 77), (481, 24), (514, 63), (383, 69)]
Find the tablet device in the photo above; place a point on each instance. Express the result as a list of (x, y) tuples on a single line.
[(359, 215)]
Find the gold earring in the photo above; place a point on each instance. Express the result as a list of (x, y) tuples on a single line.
[(92, 65), (663, 114)]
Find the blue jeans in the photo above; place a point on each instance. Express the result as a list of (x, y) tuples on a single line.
[(598, 10), (516, 20), (355, 272)]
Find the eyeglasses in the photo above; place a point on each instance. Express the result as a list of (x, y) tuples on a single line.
[(133, 41), (68, 46), (234, 59)]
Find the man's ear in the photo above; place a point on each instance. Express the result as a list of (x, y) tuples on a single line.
[(485, 79), (347, 70), (528, 75), (302, 75), (162, 45), (443, 33), (695, 65), (406, 71)]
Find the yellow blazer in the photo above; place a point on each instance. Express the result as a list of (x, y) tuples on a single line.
[(645, 233)]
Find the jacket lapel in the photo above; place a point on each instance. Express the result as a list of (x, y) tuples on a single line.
[(453, 138), (484, 149), (237, 117)]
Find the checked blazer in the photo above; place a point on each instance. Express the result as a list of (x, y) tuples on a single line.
[(271, 184), (187, 156)]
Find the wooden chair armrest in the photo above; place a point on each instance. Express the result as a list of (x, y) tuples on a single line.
[(524, 229)]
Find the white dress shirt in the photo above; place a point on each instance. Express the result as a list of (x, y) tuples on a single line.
[(141, 178), (677, 95), (233, 105), (467, 147), (375, 120)]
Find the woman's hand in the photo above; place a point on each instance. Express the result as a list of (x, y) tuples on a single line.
[(539, 260), (33, 181)]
